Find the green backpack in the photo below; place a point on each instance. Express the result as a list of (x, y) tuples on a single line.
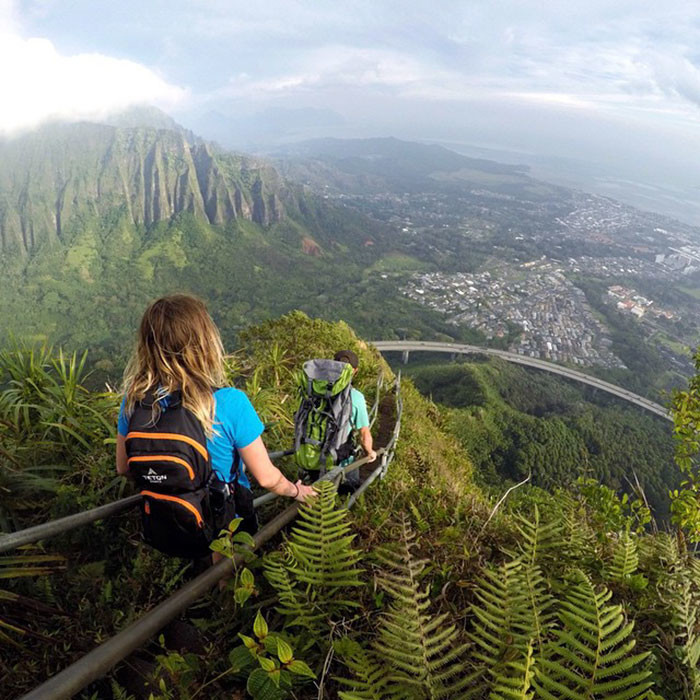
[(322, 421)]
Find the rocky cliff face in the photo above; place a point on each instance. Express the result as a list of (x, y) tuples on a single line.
[(67, 176)]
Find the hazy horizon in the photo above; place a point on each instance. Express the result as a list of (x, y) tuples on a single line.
[(604, 95)]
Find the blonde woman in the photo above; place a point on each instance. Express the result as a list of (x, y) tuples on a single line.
[(179, 360)]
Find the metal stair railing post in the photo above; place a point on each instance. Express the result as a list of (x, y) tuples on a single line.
[(374, 411), (366, 483), (391, 446), (13, 540)]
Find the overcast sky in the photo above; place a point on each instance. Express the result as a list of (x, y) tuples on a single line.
[(611, 80)]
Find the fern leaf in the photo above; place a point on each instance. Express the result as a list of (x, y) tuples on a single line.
[(291, 603), (578, 541), (591, 657), (422, 653), (369, 675), (511, 615), (625, 559), (538, 539), (319, 564), (321, 545), (682, 597), (517, 685)]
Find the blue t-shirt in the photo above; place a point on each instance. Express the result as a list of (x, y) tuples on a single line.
[(236, 425), (359, 418)]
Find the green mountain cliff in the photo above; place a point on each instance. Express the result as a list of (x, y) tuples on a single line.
[(54, 179)]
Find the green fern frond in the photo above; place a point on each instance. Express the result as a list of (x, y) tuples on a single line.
[(495, 613), (321, 545), (671, 551), (681, 595), (421, 523), (120, 693), (517, 684), (319, 564), (625, 558), (578, 541), (422, 653), (592, 655), (536, 620), (511, 616), (538, 539), (369, 674), (694, 567), (291, 603)]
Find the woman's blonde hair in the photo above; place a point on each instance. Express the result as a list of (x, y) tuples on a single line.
[(179, 348)]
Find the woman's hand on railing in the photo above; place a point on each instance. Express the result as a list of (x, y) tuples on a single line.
[(303, 492)]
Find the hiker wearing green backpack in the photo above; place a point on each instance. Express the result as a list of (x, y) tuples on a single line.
[(329, 411)]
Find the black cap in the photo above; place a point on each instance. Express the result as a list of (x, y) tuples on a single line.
[(347, 356)]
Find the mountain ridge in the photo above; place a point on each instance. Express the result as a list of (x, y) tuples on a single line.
[(442, 158), (67, 171)]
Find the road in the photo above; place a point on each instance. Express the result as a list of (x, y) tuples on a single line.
[(456, 348)]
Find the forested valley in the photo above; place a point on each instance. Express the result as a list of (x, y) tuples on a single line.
[(516, 422)]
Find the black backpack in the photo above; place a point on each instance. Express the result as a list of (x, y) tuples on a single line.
[(184, 504)]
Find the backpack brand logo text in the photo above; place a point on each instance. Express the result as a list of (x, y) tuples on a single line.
[(153, 477)]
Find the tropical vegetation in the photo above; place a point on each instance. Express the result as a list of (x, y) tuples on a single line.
[(436, 585)]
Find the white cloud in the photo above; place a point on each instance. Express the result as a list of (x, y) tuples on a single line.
[(37, 83), (607, 59), (380, 70), (676, 76), (618, 59)]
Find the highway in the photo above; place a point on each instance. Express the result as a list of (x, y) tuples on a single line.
[(458, 349)]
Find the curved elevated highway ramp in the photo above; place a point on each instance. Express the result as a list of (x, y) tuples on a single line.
[(407, 346)]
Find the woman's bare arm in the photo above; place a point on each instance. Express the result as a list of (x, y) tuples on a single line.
[(122, 464), (268, 475)]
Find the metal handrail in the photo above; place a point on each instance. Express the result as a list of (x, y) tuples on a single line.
[(388, 456), (56, 527), (356, 464), (266, 498), (52, 528), (391, 446), (280, 453), (100, 660), (365, 484)]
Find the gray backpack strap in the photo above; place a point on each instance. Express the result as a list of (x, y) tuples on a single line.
[(300, 417)]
